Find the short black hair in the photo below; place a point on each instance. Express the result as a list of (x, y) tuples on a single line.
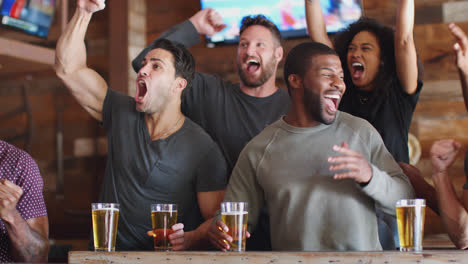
[(261, 20), (386, 38), (184, 63), (300, 57)]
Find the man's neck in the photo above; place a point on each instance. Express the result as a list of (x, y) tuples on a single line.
[(265, 90), (298, 117), (165, 123)]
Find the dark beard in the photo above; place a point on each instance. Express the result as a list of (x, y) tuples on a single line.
[(313, 105), (267, 72)]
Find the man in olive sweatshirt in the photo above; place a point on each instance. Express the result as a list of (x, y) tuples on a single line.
[(320, 172)]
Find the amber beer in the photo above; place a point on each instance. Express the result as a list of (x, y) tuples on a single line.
[(163, 217), (410, 219), (237, 224), (235, 216), (105, 220)]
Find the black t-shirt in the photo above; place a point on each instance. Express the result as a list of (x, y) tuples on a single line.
[(140, 172), (391, 115), (231, 117)]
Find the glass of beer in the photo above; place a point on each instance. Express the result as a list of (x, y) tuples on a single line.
[(235, 215), (163, 217), (105, 220), (410, 219)]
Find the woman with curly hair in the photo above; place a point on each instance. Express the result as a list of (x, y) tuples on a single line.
[(381, 75), (381, 72)]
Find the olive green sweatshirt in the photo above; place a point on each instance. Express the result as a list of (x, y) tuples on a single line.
[(286, 169)]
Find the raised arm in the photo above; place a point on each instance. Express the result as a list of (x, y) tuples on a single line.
[(461, 49), (453, 213), (405, 50), (316, 23), (86, 85), (204, 22)]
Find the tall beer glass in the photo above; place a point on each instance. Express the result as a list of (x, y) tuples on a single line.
[(410, 219), (163, 217), (235, 216), (105, 220)]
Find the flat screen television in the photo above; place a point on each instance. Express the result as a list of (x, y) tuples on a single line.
[(288, 15), (30, 16)]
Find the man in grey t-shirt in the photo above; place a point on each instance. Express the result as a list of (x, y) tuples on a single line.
[(319, 171), (155, 153)]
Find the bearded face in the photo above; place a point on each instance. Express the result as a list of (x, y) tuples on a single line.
[(256, 56)]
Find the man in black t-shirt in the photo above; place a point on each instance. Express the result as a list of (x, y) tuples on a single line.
[(155, 153), (234, 113)]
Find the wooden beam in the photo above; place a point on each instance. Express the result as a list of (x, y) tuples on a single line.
[(136, 37), (25, 51), (118, 45), (194, 257)]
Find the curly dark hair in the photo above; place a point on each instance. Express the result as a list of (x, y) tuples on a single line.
[(261, 20), (386, 39)]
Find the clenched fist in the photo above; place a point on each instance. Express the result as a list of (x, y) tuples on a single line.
[(92, 6), (443, 154), (10, 194)]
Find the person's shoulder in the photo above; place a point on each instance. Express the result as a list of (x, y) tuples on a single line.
[(13, 152), (119, 97), (119, 103), (195, 133), (262, 139), (18, 158), (283, 96), (212, 81)]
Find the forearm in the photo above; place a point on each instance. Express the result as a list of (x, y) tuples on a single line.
[(198, 238), (71, 51), (27, 245), (405, 49), (387, 187), (405, 20), (316, 22), (424, 190), (452, 212)]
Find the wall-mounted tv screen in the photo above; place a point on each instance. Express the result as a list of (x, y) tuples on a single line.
[(31, 16), (288, 15)]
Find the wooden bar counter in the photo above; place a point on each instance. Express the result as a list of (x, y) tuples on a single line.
[(217, 257)]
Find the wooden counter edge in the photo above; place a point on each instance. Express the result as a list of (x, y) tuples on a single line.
[(212, 257)]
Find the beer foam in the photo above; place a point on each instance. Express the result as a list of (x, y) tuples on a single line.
[(234, 213), (167, 211), (106, 209)]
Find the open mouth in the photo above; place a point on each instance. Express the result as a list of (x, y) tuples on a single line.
[(357, 70), (140, 91), (252, 65), (332, 101)]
